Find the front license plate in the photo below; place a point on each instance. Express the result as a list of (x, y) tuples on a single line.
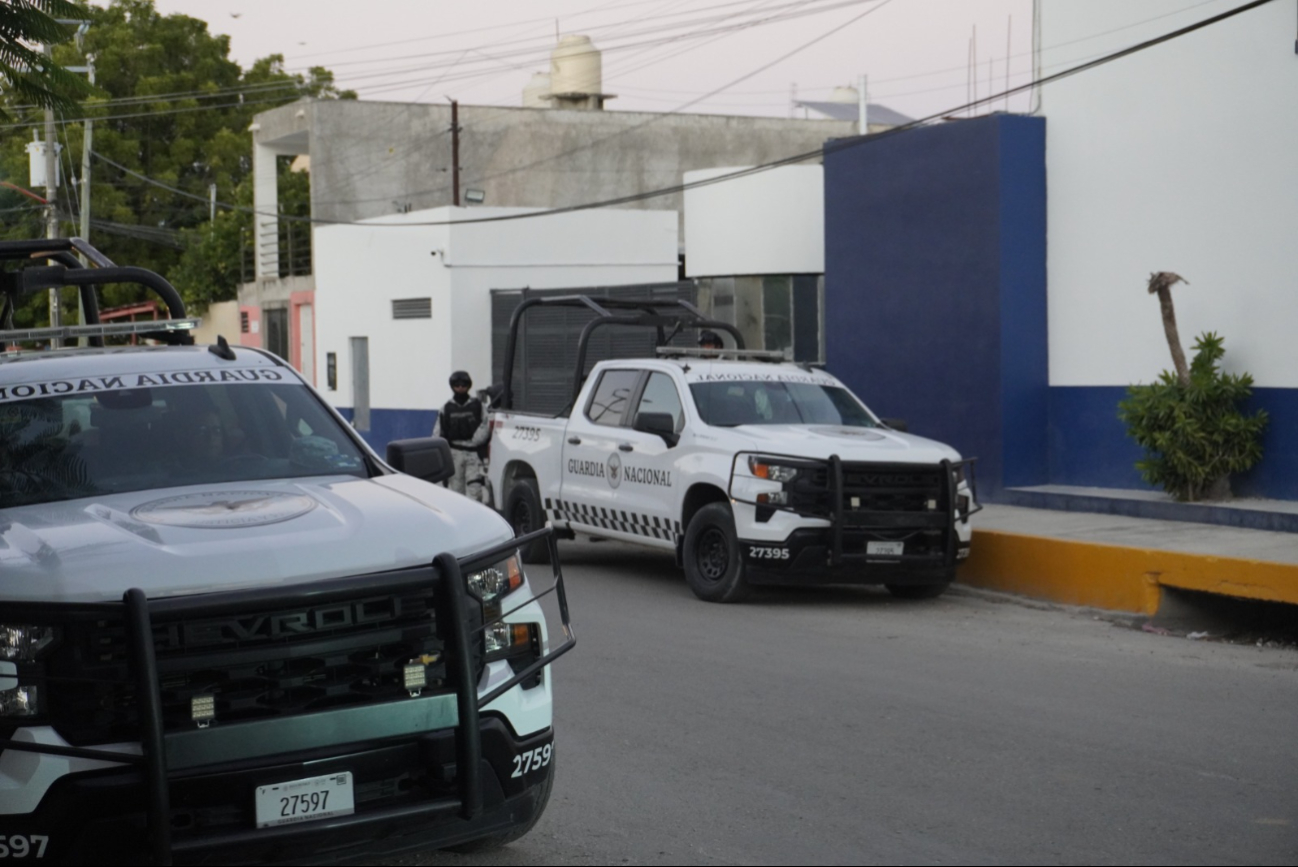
[(305, 800), (886, 549)]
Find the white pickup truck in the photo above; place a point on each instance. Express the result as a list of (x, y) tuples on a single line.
[(230, 632), (751, 472)]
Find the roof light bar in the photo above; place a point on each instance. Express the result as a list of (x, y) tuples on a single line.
[(738, 354)]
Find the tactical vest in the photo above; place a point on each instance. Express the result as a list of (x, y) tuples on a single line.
[(460, 420)]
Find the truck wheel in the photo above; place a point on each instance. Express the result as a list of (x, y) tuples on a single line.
[(524, 513), (713, 566), (503, 838), (923, 591)]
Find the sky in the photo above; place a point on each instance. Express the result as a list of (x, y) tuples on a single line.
[(708, 56)]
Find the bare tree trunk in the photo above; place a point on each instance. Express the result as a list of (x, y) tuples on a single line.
[(1161, 284)]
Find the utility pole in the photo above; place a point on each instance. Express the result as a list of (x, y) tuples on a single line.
[(211, 207), (51, 206), (85, 160), (455, 152)]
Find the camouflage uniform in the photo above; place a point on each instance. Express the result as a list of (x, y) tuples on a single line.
[(470, 470)]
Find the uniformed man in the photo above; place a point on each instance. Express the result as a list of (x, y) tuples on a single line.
[(463, 422)]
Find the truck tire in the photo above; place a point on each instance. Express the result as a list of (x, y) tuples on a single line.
[(941, 581), (714, 568), (503, 838), (524, 513)]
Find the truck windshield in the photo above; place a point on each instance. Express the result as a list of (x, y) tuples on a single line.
[(727, 404), (129, 439)]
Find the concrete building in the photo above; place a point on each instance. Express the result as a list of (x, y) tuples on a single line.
[(371, 159), (403, 300)]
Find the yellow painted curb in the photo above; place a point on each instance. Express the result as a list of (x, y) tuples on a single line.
[(1113, 576)]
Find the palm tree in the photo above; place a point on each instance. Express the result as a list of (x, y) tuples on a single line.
[(29, 75), (1161, 284)]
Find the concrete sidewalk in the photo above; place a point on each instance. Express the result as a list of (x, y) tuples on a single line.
[(1123, 563)]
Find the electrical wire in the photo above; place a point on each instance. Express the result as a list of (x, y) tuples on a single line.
[(263, 87), (793, 159), (380, 87), (657, 118)]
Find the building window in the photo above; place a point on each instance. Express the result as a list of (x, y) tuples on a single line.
[(243, 321)]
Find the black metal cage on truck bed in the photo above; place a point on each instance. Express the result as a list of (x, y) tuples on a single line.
[(668, 317), (426, 612), (68, 270)]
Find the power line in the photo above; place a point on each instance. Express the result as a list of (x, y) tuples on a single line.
[(761, 167), (693, 102), (659, 117), (379, 87), (263, 87)]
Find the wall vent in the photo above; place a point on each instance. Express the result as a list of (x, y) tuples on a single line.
[(412, 308)]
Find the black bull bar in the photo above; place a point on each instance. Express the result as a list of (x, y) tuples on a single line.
[(836, 512), (161, 750)]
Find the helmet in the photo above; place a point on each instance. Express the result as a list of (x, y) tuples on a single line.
[(461, 377), (710, 340)]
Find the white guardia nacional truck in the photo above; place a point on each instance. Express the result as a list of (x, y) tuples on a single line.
[(751, 469), (230, 632)]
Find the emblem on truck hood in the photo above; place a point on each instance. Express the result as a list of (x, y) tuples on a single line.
[(217, 510)]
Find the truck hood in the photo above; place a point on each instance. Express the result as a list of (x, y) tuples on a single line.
[(207, 538), (849, 443)]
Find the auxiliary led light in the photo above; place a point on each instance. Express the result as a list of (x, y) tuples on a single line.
[(414, 677), (202, 710)]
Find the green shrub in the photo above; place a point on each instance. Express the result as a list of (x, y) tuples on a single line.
[(1194, 435)]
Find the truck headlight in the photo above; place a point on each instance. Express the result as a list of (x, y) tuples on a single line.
[(20, 643), (496, 581), (764, 468), (24, 643), (506, 639)]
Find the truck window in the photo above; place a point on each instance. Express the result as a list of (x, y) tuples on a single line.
[(62, 448), (660, 395), (728, 404), (608, 403)]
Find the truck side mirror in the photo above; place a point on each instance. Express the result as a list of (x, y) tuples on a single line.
[(427, 458), (897, 424), (662, 424)]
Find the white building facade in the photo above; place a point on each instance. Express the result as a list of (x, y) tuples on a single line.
[(404, 300)]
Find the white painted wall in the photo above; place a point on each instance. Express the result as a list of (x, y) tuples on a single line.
[(772, 222), (359, 270), (1181, 158)]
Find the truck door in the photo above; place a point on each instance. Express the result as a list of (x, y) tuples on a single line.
[(590, 496), (650, 492)]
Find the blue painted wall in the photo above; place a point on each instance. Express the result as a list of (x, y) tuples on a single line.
[(935, 286), (1089, 446), (935, 303), (387, 425)]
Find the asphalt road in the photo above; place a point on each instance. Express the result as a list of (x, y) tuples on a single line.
[(837, 725)]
